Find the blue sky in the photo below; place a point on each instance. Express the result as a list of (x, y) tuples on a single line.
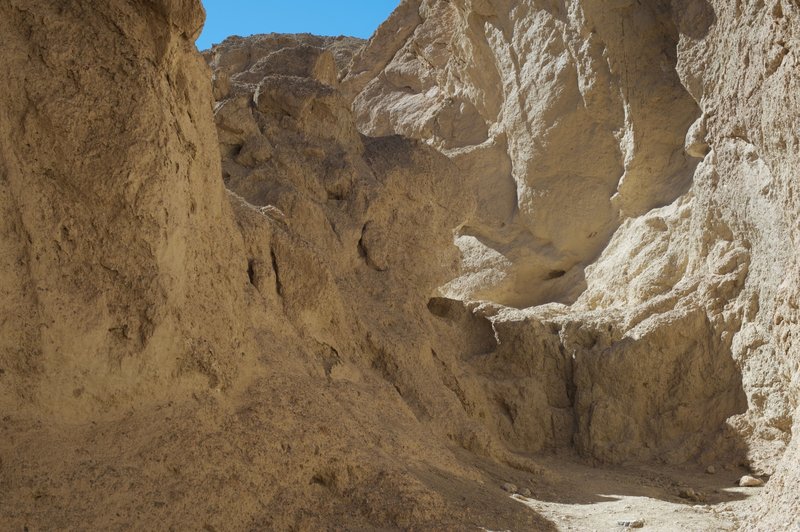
[(358, 18)]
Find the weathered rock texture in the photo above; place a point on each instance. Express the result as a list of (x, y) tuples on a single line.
[(114, 223), (499, 228), (635, 162), (569, 105), (174, 355)]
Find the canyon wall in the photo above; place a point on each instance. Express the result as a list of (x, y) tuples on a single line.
[(178, 355), (117, 233), (327, 281), (633, 165)]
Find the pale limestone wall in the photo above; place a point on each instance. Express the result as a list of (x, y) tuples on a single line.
[(634, 164)]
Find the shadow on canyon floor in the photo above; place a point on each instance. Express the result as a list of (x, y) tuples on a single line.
[(576, 496)]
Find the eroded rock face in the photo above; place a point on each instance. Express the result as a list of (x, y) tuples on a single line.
[(113, 221), (572, 105), (310, 347), (633, 161), (362, 205), (175, 355)]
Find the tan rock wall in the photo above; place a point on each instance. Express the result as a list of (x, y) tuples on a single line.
[(174, 355), (566, 104), (634, 161), (114, 221), (310, 347)]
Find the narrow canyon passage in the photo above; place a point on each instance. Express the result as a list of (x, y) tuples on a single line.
[(506, 265), (648, 497)]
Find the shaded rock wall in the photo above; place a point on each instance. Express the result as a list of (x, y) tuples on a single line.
[(175, 355), (747, 87), (114, 222), (361, 204)]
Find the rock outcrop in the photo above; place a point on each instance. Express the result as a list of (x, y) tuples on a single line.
[(633, 167), (175, 355), (117, 234), (570, 105), (300, 281)]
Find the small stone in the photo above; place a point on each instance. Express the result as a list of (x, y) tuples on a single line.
[(509, 487), (274, 213), (525, 492), (711, 470), (750, 482), (688, 493), (631, 523)]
